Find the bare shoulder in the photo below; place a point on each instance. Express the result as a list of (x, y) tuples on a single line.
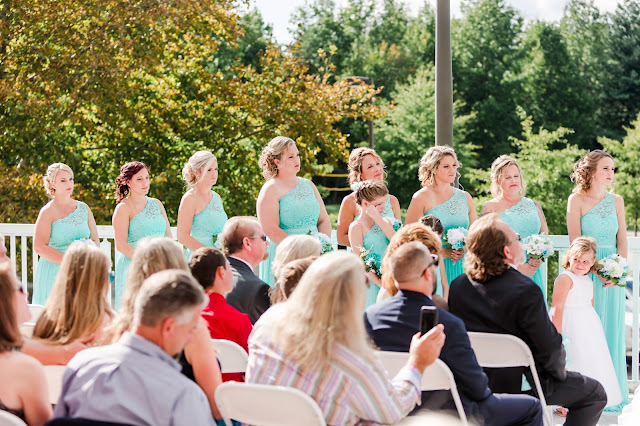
[(618, 199), (48, 210), (123, 207), (268, 189), (394, 200), (490, 206), (576, 199), (563, 280)]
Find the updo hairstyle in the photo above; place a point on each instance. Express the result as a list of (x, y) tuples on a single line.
[(271, 152), (498, 167), (126, 173), (50, 177), (370, 190), (584, 169), (199, 161), (355, 163), (431, 160)]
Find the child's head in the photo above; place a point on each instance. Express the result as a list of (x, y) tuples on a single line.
[(581, 256), (372, 192), (432, 222)]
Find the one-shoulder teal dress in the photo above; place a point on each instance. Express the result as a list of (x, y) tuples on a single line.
[(208, 224), (376, 242), (64, 231), (523, 218), (453, 213), (299, 212), (601, 223), (148, 223)]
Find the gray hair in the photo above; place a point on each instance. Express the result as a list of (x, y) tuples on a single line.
[(170, 293)]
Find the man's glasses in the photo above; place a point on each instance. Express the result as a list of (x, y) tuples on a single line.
[(263, 237)]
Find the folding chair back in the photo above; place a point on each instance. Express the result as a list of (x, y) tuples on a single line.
[(267, 405), (233, 358), (8, 419), (35, 311)]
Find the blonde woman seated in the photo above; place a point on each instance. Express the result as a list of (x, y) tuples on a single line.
[(199, 358), (317, 342), (294, 247), (77, 307), (23, 389), (288, 278), (407, 234)]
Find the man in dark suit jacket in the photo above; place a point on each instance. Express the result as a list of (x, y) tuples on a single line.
[(245, 245), (493, 297), (392, 323)]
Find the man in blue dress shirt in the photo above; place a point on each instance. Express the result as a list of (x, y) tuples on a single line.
[(392, 322), (137, 380)]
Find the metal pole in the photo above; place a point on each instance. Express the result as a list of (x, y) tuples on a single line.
[(371, 121), (444, 80)]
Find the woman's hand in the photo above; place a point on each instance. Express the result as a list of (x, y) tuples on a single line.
[(453, 254), (606, 282)]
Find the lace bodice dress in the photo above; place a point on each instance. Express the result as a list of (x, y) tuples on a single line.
[(523, 218), (453, 213), (601, 223), (148, 223), (298, 212), (208, 223), (64, 231)]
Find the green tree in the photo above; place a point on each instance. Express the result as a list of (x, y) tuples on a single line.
[(486, 64), (408, 131), (627, 169)]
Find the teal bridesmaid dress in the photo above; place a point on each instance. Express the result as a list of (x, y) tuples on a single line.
[(64, 231), (523, 218), (376, 242), (208, 224), (299, 212), (453, 213), (148, 223), (601, 223)]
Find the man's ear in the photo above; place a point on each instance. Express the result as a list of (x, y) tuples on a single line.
[(168, 326)]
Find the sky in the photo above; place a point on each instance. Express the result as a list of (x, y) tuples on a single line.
[(278, 12)]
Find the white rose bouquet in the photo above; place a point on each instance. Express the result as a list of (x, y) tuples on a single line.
[(615, 268), (370, 262), (455, 237), (324, 239), (538, 246)]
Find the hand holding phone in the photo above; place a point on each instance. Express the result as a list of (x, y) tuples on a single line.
[(428, 318)]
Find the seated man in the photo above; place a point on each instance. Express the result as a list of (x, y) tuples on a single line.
[(245, 245), (493, 297), (137, 380), (392, 322)]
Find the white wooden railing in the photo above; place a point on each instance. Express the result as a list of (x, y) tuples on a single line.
[(22, 234)]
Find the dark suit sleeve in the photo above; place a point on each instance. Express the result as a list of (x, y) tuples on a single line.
[(461, 360), (261, 302), (544, 341)]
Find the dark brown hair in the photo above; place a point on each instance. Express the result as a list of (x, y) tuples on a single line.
[(486, 243), (204, 264), (10, 337), (126, 173), (432, 222)]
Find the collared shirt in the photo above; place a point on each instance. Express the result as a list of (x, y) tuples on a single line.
[(243, 261), (132, 381), (350, 390)]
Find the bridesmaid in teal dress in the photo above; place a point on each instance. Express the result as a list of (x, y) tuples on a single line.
[(522, 214), (364, 164), (594, 212), (287, 204), (201, 215), (454, 207), (136, 216), (371, 231), (61, 221)]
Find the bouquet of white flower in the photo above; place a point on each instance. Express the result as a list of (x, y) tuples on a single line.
[(370, 263), (615, 268), (86, 241), (455, 237), (538, 246), (324, 239)]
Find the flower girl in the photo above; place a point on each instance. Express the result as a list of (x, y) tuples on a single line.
[(573, 315)]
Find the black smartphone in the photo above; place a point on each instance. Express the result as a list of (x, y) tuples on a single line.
[(428, 318)]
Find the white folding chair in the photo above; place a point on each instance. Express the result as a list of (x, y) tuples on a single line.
[(26, 329), (267, 405), (495, 350), (54, 375), (437, 376), (8, 419), (35, 311), (233, 358)]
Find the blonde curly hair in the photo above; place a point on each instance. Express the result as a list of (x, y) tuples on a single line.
[(354, 165), (197, 162), (49, 177), (431, 160), (271, 152), (584, 169), (498, 168)]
